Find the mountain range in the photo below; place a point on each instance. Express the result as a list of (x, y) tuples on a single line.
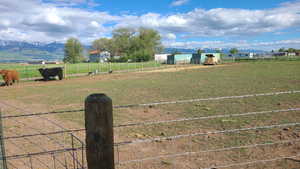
[(21, 51)]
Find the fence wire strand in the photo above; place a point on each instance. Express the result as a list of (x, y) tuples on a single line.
[(253, 162), (207, 151), (152, 104), (158, 122), (149, 140)]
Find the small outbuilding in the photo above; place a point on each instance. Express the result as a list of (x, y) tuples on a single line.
[(179, 58), (196, 59), (161, 58)]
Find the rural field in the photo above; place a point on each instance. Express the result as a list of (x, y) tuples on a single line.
[(263, 131), (30, 71)]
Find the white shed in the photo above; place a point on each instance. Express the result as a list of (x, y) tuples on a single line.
[(162, 58)]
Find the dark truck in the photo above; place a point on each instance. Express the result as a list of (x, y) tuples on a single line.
[(51, 73)]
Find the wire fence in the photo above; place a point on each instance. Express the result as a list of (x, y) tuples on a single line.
[(73, 155), (31, 72), (153, 104)]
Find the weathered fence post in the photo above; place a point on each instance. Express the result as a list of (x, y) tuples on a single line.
[(99, 132)]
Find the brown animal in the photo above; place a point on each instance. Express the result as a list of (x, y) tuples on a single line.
[(10, 76)]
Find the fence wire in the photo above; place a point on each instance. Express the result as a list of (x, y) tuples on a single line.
[(206, 151), (159, 122), (253, 162), (149, 140), (152, 104)]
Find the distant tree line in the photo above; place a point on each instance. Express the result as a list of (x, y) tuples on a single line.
[(290, 50), (128, 44)]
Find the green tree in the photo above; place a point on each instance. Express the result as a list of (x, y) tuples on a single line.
[(291, 50), (146, 43), (199, 51), (281, 50), (122, 39), (104, 44), (73, 51), (234, 51)]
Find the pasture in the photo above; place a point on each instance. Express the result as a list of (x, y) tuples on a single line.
[(170, 84), (28, 71)]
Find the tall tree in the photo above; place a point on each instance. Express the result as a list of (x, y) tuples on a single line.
[(73, 51), (104, 44), (234, 51), (122, 38), (148, 43)]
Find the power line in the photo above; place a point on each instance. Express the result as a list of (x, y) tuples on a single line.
[(207, 151), (149, 140)]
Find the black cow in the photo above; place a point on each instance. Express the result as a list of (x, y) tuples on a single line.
[(49, 73)]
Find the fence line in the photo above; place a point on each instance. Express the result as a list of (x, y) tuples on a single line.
[(206, 99), (157, 122), (35, 144), (154, 103), (40, 114), (43, 134), (149, 140), (22, 148), (47, 136), (52, 122), (253, 162), (208, 151), (19, 156), (204, 118)]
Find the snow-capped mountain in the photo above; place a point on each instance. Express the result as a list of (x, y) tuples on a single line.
[(17, 51)]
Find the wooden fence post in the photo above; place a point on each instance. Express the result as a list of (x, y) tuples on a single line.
[(99, 132)]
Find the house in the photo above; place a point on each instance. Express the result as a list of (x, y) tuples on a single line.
[(280, 54), (291, 54), (179, 58), (161, 58), (242, 55), (53, 62), (98, 56), (284, 54), (38, 62)]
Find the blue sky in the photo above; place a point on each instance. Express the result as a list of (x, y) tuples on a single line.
[(259, 24)]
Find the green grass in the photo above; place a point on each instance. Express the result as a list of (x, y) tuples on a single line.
[(31, 71)]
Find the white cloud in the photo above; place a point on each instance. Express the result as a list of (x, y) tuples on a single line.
[(34, 20), (179, 2), (170, 36)]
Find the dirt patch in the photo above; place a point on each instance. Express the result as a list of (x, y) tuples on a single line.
[(177, 69)]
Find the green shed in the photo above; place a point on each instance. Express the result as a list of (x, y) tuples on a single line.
[(179, 58), (196, 59)]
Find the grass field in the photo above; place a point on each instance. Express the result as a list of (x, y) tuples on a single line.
[(31, 71), (168, 85)]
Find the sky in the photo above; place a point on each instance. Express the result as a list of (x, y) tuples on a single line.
[(255, 24)]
